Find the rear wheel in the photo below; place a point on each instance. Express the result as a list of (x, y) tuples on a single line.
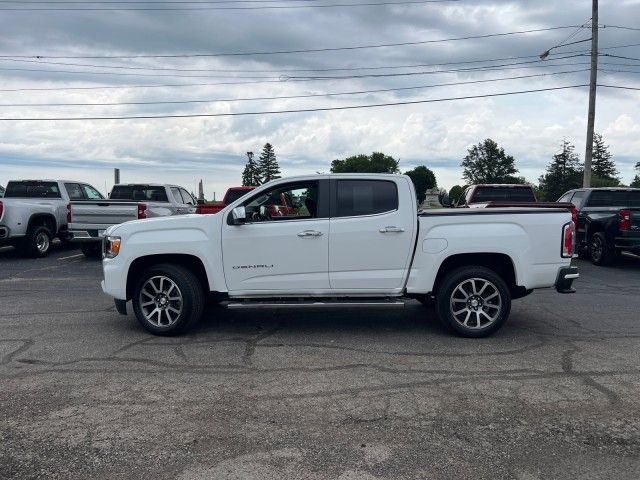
[(37, 242), (91, 249), (168, 299), (600, 251), (473, 301)]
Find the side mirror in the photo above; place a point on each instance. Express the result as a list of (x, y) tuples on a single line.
[(239, 215)]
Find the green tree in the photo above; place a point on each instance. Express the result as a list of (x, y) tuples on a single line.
[(455, 194), (563, 173), (636, 180), (268, 168), (250, 174), (423, 179), (375, 163), (602, 164), (487, 163)]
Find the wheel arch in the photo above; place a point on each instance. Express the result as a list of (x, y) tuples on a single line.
[(44, 219), (190, 262), (500, 263)]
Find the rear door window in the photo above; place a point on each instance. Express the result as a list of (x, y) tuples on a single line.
[(32, 190), (175, 191), (74, 191), (365, 197)]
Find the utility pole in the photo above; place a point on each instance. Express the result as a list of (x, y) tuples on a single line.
[(586, 181)]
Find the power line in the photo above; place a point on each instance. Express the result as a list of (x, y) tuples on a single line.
[(334, 69), (285, 78), (304, 110), (289, 97), (620, 27), (618, 86), (188, 9), (284, 52)]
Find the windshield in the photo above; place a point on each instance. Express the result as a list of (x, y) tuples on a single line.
[(138, 193), (503, 194), (32, 190)]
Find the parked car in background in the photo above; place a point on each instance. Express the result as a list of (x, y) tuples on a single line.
[(232, 195), (508, 195), (90, 218), (1, 191), (34, 212), (349, 240), (608, 222)]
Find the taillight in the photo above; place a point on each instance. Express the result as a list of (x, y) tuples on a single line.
[(624, 220), (1, 209), (68, 213), (574, 216), (568, 240), (142, 211)]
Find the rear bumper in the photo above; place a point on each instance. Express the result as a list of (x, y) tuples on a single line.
[(630, 241), (86, 236), (566, 276)]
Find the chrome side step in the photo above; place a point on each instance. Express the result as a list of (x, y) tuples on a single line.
[(316, 303)]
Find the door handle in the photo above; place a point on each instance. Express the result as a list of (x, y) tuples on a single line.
[(391, 229), (309, 233)]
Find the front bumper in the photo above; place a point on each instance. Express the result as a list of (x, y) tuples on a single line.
[(566, 276)]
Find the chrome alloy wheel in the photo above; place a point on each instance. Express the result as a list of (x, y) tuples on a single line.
[(475, 303), (161, 301), (42, 242)]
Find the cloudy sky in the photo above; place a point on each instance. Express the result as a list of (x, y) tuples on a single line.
[(174, 56)]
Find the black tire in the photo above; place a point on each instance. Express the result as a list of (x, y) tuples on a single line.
[(482, 317), (37, 242), (92, 249), (601, 252), (189, 289)]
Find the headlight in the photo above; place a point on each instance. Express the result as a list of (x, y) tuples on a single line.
[(111, 247)]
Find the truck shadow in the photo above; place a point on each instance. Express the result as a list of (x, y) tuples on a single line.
[(11, 253)]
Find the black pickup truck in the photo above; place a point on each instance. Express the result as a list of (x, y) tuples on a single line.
[(608, 221)]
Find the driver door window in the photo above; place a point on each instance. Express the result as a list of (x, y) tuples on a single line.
[(288, 202)]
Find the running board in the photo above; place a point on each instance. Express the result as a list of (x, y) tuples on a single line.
[(316, 303)]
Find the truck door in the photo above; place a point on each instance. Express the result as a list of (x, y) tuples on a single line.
[(371, 234), (276, 250)]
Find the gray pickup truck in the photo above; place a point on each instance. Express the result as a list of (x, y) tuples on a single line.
[(34, 212), (90, 218)]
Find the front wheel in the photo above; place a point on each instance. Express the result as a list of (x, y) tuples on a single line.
[(168, 299), (473, 301)]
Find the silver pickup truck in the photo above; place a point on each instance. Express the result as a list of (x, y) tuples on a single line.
[(34, 212), (89, 219)]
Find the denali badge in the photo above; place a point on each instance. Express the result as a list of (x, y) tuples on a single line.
[(235, 267)]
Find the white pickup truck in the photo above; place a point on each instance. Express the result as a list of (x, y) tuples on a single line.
[(348, 240), (34, 212), (90, 218)]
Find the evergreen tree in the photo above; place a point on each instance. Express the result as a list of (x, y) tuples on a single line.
[(268, 168), (487, 163), (250, 174), (423, 179), (602, 165), (455, 194), (636, 180), (563, 173)]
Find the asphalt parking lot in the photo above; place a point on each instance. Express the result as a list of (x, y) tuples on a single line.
[(344, 394)]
